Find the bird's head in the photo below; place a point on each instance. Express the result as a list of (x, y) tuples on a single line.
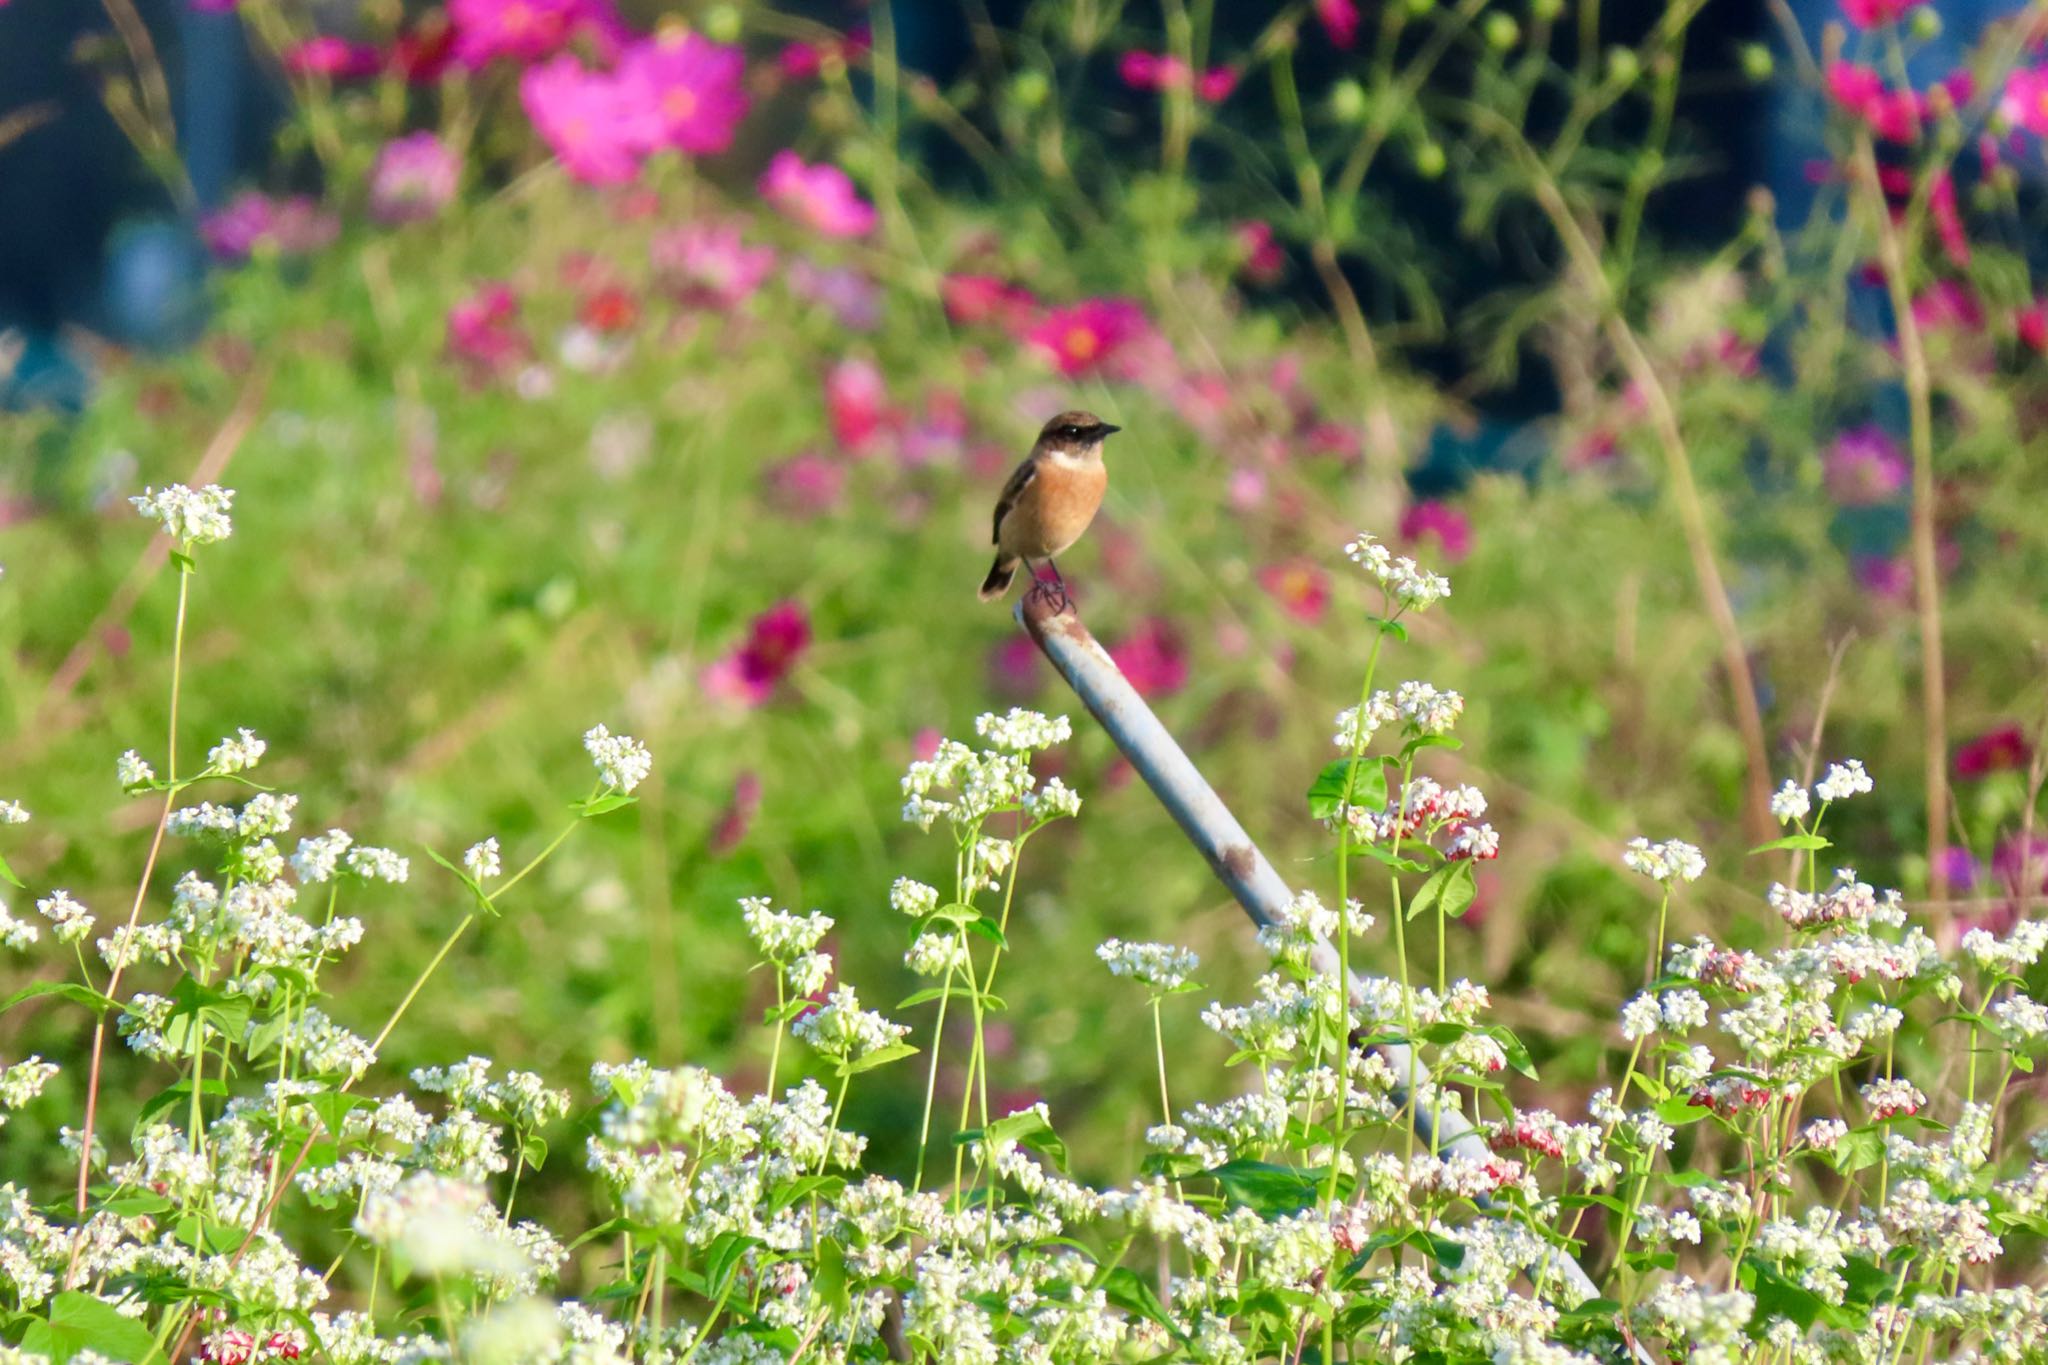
[(1075, 435)]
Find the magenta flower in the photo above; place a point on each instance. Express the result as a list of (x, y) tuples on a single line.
[(710, 264), (413, 179), (1948, 305), (213, 6), (1994, 751), (1892, 115), (857, 402), (853, 298), (1301, 587), (1081, 339), (588, 119), (820, 197), (1152, 659), (974, 299), (1888, 578), (526, 31), (1865, 466), (253, 222), (775, 642), (737, 817), (1340, 20), (484, 332), (2031, 324), (692, 87), (1443, 523), (1876, 13), (2025, 101), (1015, 668), (1216, 84), (337, 59), (1264, 258), (808, 485)]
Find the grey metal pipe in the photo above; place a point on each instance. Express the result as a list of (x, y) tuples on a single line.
[(1053, 623)]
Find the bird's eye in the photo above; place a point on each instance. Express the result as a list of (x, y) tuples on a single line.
[(1072, 433)]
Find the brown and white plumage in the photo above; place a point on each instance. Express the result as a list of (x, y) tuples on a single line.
[(1051, 498)]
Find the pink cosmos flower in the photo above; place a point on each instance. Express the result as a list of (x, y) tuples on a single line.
[(799, 61), (1081, 339), (1264, 258), (738, 816), (337, 59), (595, 124), (2024, 104), (710, 264), (1340, 21), (1948, 305), (1948, 220), (1300, 586), (1216, 84), (1442, 522), (252, 222), (691, 85), (1865, 466), (484, 332), (974, 299), (1994, 751), (1875, 13), (1887, 578), (853, 299), (940, 433), (820, 197), (525, 31), (808, 485), (749, 675), (1015, 668), (857, 401), (2032, 325), (1153, 659), (1246, 489), (1892, 115), (413, 179)]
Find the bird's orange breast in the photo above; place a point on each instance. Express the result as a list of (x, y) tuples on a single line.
[(1055, 509)]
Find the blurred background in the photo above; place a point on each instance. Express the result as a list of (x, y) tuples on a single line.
[(658, 363)]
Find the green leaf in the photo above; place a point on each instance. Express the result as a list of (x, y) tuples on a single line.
[(175, 1096), (186, 563), (1123, 1287), (1778, 1297), (462, 873), (986, 927), (1391, 859), (1679, 1110), (333, 1107), (1430, 742), (1367, 779), (1857, 1149), (929, 993), (533, 1149), (722, 1258), (881, 1056), (1812, 842), (603, 804), (82, 1322), (1029, 1127), (1517, 1054), (1270, 1191), (1451, 887), (828, 1276), (7, 875), (1390, 627), (69, 990)]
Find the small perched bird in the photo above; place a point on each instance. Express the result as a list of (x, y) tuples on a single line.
[(1051, 498)]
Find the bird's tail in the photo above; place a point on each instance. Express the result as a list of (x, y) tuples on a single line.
[(998, 581)]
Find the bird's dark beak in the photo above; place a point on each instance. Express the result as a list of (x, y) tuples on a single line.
[(1105, 429)]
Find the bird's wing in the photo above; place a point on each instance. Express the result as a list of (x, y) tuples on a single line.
[(1012, 490)]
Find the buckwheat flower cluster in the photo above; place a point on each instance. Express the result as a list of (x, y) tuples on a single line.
[(21, 1083), (1848, 901), (844, 1031), (17, 934), (1843, 780), (781, 935), (237, 753), (481, 860), (934, 954), (318, 858), (1023, 732), (70, 921), (1672, 860), (374, 864), (1161, 966), (1790, 803), (1410, 585), (913, 898), (1426, 710), (13, 813), (965, 786), (1357, 725), (131, 770), (623, 762), (189, 516)]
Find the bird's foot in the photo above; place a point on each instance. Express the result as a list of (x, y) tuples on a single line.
[(1050, 595)]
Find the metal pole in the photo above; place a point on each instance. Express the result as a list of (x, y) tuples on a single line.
[(1211, 828)]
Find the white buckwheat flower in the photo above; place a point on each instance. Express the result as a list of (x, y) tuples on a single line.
[(378, 864), (237, 753), (1672, 860), (1844, 780), (71, 920), (13, 813), (1791, 803), (1161, 966), (17, 934), (914, 898), (1022, 731), (318, 858), (622, 761), (1407, 582), (189, 516), (131, 770), (482, 861), (1427, 710), (935, 954)]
